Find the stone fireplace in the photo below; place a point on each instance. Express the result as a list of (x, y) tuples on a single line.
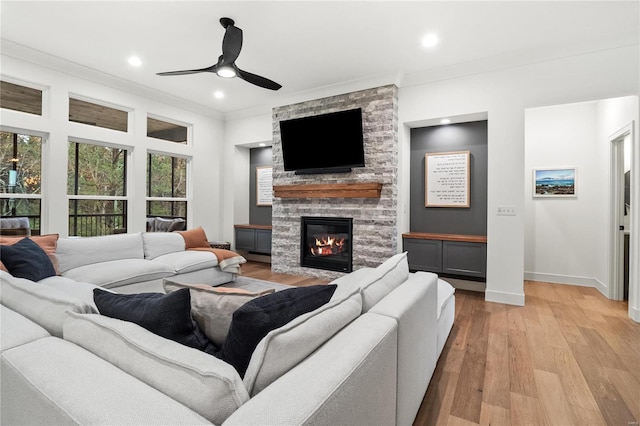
[(374, 219)]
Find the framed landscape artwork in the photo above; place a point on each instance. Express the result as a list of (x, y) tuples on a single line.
[(555, 182)]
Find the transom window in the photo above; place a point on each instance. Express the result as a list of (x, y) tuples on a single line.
[(164, 130), (20, 98), (93, 114)]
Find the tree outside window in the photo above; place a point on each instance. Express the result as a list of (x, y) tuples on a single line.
[(166, 186), (21, 177), (96, 184)]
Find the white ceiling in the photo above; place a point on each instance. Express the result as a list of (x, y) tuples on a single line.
[(304, 45)]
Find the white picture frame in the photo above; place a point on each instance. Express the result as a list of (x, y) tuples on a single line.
[(264, 186), (447, 178), (555, 182)]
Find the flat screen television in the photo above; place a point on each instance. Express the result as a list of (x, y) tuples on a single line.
[(325, 143)]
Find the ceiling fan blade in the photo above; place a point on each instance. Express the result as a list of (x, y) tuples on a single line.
[(184, 72), (231, 44), (257, 80)]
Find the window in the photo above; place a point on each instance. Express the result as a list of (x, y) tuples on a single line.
[(21, 177), (171, 132), (20, 98), (166, 186), (98, 115), (96, 184)]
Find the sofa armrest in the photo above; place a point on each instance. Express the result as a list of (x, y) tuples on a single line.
[(414, 306), (54, 382), (357, 365)]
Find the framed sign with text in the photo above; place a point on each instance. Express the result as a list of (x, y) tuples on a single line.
[(447, 179), (264, 185)]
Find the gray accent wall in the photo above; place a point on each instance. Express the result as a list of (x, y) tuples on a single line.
[(470, 137), (258, 215)]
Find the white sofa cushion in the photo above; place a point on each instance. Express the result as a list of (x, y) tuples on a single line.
[(285, 347), (207, 385), (40, 303), (79, 251), (17, 330), (159, 243), (116, 273), (53, 382), (188, 261), (376, 283), (80, 290)]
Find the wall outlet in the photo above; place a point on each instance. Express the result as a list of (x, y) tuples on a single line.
[(506, 211)]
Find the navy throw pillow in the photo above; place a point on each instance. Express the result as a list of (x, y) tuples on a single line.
[(167, 315), (256, 318), (26, 259)]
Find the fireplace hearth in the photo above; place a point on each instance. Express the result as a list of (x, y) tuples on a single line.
[(326, 243)]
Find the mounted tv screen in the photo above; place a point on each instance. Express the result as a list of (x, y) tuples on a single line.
[(326, 143)]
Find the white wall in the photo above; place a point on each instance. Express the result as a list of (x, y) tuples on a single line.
[(562, 239), (206, 171), (567, 239)]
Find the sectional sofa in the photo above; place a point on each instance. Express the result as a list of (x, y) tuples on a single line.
[(365, 357)]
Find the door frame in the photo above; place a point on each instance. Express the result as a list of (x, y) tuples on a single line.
[(616, 238)]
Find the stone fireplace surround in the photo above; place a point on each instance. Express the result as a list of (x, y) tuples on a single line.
[(374, 219)]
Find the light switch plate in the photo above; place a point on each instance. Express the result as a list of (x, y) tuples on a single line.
[(506, 211)]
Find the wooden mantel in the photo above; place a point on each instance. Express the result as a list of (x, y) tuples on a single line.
[(329, 190)]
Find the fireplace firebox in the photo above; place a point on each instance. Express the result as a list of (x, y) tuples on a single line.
[(326, 243)]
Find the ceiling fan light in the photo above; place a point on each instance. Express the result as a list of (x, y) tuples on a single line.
[(226, 72)]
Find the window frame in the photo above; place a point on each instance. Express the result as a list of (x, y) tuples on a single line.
[(106, 104), (44, 143), (41, 87), (126, 176), (184, 199), (188, 126)]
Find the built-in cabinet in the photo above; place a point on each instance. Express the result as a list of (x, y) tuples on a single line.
[(253, 238), (451, 254)]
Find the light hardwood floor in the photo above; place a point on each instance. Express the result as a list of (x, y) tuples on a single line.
[(569, 357)]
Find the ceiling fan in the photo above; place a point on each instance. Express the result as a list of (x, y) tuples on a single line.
[(226, 66)]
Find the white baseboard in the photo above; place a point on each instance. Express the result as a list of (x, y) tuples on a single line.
[(634, 314), (502, 297), (568, 279)]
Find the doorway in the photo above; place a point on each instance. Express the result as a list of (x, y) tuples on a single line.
[(621, 155)]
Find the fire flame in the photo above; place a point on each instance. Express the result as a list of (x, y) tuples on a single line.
[(327, 245)]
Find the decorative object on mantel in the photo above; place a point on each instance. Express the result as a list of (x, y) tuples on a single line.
[(446, 179), (329, 190)]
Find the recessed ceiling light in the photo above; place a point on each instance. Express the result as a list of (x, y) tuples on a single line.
[(445, 121), (262, 144), (429, 40), (135, 61), (219, 94)]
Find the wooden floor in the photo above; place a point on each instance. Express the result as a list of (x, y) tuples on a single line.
[(569, 357), (262, 271)]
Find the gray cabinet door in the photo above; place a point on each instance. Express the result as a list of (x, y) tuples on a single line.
[(423, 255), (263, 241), (463, 258), (245, 239)]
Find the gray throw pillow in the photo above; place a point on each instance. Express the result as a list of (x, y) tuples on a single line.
[(212, 307)]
